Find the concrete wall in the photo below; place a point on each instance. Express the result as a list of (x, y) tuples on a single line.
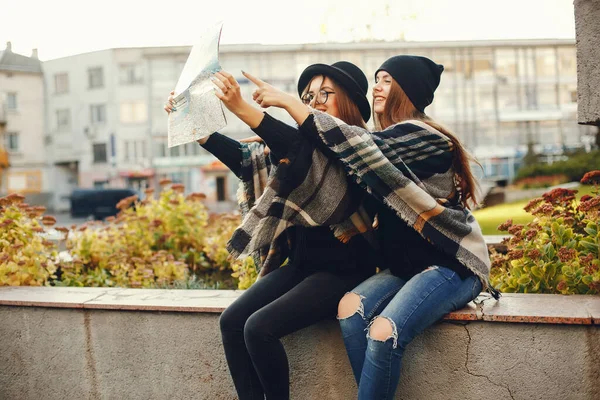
[(52, 353), (587, 15)]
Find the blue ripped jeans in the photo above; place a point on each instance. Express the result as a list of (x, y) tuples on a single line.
[(410, 306)]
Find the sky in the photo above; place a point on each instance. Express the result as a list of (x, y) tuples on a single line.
[(60, 28)]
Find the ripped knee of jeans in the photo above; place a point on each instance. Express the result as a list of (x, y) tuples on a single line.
[(350, 305), (382, 329)]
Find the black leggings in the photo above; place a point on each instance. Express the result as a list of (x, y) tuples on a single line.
[(284, 301)]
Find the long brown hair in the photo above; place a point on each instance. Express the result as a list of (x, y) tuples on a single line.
[(398, 108), (349, 112)]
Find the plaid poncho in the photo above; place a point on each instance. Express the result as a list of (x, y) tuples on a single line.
[(307, 188), (388, 165), (384, 163)]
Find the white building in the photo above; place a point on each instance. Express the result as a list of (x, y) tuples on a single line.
[(107, 125), (22, 130)]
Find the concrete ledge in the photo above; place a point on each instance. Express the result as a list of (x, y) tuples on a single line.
[(98, 343), (527, 308)]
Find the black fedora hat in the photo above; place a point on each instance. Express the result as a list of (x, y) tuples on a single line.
[(345, 74)]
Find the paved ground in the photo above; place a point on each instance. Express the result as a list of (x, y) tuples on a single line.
[(64, 219)]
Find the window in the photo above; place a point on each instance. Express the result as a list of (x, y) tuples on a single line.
[(63, 120), (160, 148), (192, 149), (130, 74), (12, 141), (99, 150), (100, 184), (142, 151), (545, 62), (25, 181), (573, 95), (11, 101), (567, 61), (61, 83), (134, 112), (98, 113), (506, 64), (95, 78), (174, 151), (135, 149)]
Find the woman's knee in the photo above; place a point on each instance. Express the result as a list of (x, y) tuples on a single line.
[(256, 328), (382, 329), (349, 305), (231, 321)]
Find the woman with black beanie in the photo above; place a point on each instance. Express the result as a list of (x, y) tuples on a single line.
[(320, 268), (433, 253)]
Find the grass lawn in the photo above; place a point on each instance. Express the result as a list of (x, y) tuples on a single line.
[(489, 218)]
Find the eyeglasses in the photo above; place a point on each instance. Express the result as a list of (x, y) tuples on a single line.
[(322, 97)]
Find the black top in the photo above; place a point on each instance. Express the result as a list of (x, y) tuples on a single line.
[(403, 250), (315, 247)]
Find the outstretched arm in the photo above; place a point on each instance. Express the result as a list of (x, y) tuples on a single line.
[(267, 96), (228, 150)]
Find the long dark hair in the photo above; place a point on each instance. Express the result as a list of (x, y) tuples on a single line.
[(349, 112), (398, 108)]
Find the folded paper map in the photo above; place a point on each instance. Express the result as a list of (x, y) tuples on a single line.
[(198, 112)]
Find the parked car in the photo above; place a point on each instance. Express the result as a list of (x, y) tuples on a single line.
[(98, 203)]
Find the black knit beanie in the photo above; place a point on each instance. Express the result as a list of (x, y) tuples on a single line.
[(417, 76)]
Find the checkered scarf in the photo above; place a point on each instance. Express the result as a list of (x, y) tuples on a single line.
[(387, 163), (306, 188)]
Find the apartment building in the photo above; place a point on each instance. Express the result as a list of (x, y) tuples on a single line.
[(107, 126), (23, 164)]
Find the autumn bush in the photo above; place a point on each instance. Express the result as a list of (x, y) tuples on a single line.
[(26, 258), (558, 252), (164, 241), (573, 168), (534, 182)]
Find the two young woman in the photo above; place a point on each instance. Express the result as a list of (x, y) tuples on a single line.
[(320, 268), (420, 185)]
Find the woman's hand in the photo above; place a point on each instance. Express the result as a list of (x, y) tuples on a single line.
[(266, 95), (169, 104), (169, 107), (230, 93), (258, 139)]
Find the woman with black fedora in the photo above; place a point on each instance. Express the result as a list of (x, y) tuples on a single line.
[(432, 250), (321, 268)]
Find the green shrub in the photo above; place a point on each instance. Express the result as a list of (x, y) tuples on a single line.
[(220, 230), (26, 259), (157, 242), (558, 252), (574, 168), (168, 241)]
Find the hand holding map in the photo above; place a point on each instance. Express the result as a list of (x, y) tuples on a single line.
[(198, 112)]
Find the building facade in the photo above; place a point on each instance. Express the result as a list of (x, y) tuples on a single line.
[(23, 164), (107, 126)]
